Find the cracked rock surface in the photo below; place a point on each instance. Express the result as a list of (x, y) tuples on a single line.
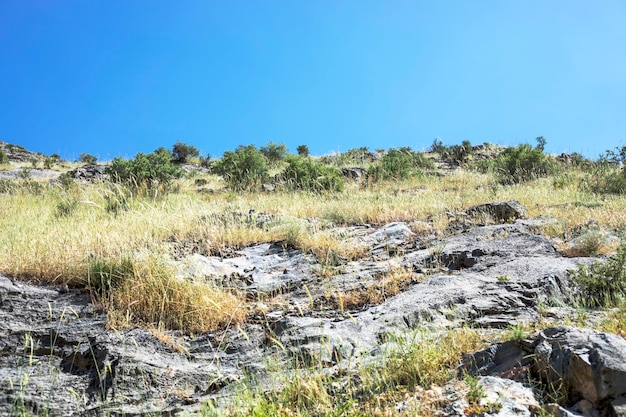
[(58, 357)]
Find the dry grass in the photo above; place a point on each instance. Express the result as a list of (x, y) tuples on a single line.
[(52, 235), (154, 297), (387, 285)]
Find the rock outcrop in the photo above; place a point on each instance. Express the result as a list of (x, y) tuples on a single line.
[(59, 357)]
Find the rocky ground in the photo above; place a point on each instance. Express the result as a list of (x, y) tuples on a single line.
[(58, 358)]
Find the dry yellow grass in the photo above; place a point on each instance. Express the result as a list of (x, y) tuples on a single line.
[(156, 298), (51, 236)]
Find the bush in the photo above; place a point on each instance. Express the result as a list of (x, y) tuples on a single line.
[(603, 284), (88, 159), (4, 158), (458, 154), (303, 150), (606, 176), (400, 164), (181, 152), (274, 152), (304, 174), (146, 169), (243, 169), (48, 162), (520, 164)]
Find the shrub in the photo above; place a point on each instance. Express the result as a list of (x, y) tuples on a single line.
[(304, 174), (243, 169), (88, 159), (181, 152), (458, 154), (206, 161), (522, 163), (400, 164), (303, 150), (603, 284), (606, 176), (48, 163), (146, 169), (274, 152)]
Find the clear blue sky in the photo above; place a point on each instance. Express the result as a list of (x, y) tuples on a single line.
[(119, 77)]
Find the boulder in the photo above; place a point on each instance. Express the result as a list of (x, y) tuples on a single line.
[(355, 174), (590, 363), (500, 211), (89, 173)]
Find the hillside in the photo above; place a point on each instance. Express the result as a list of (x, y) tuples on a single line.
[(468, 280)]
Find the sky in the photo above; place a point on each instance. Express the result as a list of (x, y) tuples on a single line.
[(113, 78)]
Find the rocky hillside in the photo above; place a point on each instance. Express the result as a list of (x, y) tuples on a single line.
[(453, 283), (61, 359)]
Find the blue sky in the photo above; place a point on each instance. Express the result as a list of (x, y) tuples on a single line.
[(114, 78)]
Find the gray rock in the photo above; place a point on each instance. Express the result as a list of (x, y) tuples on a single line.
[(591, 363), (355, 174), (516, 399), (89, 173), (500, 211)]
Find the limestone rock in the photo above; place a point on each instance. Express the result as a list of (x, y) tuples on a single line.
[(500, 211)]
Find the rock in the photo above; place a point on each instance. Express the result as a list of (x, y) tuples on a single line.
[(589, 362), (500, 212), (515, 399), (389, 238), (490, 277), (355, 174), (89, 173)]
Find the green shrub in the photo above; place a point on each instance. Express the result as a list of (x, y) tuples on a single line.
[(459, 154), (606, 176), (520, 164), (181, 152), (88, 159), (274, 152), (303, 150), (243, 169), (4, 158), (603, 284), (351, 158), (48, 162), (304, 174), (400, 164), (34, 162), (146, 169)]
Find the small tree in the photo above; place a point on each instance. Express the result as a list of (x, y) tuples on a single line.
[(88, 159), (4, 159), (274, 152), (243, 169), (182, 152), (541, 143), (303, 150)]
